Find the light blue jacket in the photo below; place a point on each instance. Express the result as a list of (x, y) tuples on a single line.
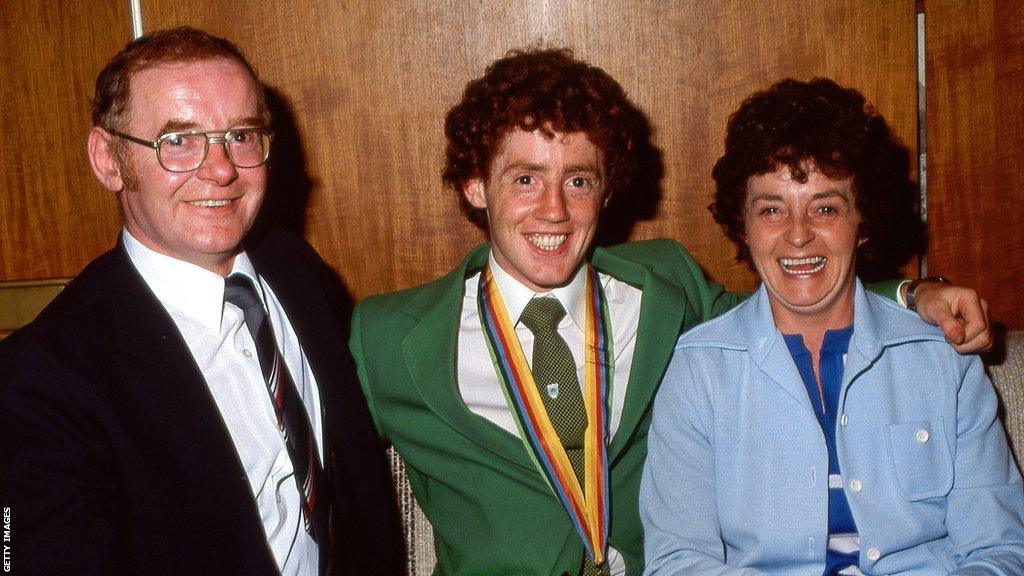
[(736, 480)]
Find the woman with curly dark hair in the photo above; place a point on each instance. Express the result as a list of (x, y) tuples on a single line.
[(818, 428), (797, 125)]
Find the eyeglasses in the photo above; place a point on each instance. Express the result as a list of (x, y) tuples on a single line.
[(185, 151)]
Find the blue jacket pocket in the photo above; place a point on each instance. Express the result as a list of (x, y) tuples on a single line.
[(921, 460)]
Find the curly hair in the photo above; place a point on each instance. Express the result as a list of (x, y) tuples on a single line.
[(821, 125), (547, 90), (182, 44)]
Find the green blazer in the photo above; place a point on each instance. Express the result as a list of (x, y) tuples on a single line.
[(491, 510)]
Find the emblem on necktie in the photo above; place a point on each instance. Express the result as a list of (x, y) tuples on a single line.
[(553, 390)]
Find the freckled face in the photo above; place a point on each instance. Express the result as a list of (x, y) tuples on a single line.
[(199, 216), (543, 198), (803, 239)]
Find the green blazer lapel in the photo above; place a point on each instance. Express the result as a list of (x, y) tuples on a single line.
[(662, 310), (430, 350)]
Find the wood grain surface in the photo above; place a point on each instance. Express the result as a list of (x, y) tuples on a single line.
[(54, 216), (367, 85), (975, 120), (360, 90)]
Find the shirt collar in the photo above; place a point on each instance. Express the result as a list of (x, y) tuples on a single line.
[(188, 288), (516, 296)]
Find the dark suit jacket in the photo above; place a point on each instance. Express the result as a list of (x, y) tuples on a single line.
[(114, 458)]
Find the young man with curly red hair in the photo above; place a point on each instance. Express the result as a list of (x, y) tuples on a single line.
[(518, 387)]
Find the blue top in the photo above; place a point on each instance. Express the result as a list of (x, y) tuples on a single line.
[(735, 481), (843, 549)]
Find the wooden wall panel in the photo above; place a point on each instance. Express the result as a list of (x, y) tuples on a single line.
[(368, 84), (975, 120), (54, 219), (362, 88)]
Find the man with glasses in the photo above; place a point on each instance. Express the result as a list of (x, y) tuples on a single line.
[(185, 405)]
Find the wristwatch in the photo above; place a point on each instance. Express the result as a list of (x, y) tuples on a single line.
[(911, 296)]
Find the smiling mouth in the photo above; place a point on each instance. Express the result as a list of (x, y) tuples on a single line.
[(209, 203), (802, 265), (547, 242)]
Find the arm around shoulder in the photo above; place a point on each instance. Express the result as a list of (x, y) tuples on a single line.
[(670, 260), (713, 298)]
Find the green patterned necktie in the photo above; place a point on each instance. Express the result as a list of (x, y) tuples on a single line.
[(554, 373)]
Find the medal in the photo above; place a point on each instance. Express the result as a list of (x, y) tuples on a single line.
[(588, 507)]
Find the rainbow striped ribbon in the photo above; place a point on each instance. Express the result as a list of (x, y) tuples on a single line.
[(588, 512)]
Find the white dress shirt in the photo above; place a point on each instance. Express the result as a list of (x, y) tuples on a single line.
[(225, 353), (477, 380)]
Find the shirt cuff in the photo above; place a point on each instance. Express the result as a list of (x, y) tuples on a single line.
[(899, 293)]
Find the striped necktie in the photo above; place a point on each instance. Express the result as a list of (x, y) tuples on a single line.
[(292, 420)]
